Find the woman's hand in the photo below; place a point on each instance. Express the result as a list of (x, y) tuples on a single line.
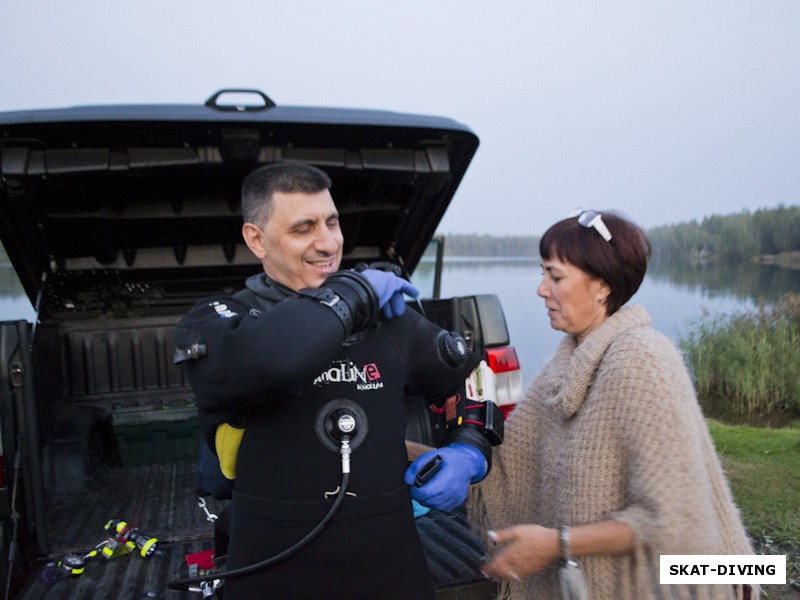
[(529, 549)]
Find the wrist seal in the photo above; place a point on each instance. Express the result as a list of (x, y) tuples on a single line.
[(351, 298), (327, 297), (471, 437)]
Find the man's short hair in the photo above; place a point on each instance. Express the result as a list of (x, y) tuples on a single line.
[(261, 184)]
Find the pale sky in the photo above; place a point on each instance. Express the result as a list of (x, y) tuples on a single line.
[(665, 110)]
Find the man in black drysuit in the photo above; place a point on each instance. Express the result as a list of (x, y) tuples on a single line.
[(268, 359)]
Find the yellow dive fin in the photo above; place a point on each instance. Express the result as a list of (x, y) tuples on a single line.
[(227, 440)]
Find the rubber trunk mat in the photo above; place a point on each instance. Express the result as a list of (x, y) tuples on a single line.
[(161, 501)]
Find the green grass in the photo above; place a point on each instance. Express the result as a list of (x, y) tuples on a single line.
[(763, 468)]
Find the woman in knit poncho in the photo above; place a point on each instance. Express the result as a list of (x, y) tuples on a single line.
[(609, 441)]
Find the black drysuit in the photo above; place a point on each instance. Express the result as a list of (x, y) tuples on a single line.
[(277, 368)]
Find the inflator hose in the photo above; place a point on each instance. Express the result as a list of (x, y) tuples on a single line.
[(183, 584)]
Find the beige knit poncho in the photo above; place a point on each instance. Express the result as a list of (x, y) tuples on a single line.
[(612, 429)]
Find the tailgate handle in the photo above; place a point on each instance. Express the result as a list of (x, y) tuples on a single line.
[(213, 101)]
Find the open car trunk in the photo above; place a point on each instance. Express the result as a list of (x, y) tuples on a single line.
[(117, 220), (111, 210)]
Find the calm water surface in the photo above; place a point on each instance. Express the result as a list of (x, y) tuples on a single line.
[(676, 298)]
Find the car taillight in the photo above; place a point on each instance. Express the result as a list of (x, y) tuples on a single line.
[(504, 363)]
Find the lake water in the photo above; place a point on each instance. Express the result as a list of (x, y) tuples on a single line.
[(675, 298)]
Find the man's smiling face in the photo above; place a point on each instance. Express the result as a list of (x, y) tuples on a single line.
[(301, 242)]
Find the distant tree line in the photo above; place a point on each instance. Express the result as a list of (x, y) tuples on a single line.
[(732, 238), (458, 244)]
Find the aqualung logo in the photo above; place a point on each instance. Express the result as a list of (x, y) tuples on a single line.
[(222, 310), (345, 371)]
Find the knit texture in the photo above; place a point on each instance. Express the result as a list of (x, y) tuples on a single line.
[(611, 429)]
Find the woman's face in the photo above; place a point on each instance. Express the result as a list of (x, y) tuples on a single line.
[(575, 301)]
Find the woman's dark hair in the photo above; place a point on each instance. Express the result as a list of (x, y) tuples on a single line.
[(621, 263), (286, 177)]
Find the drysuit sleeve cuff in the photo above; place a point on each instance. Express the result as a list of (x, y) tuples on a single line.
[(351, 298), (475, 439)]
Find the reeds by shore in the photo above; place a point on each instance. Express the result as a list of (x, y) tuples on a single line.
[(751, 360)]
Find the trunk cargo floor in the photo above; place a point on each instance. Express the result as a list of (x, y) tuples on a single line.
[(160, 500)]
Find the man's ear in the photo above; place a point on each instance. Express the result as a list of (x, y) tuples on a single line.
[(254, 238)]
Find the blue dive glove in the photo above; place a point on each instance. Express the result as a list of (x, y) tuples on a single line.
[(462, 465), (390, 289)]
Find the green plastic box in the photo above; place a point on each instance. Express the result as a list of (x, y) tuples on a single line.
[(159, 434)]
